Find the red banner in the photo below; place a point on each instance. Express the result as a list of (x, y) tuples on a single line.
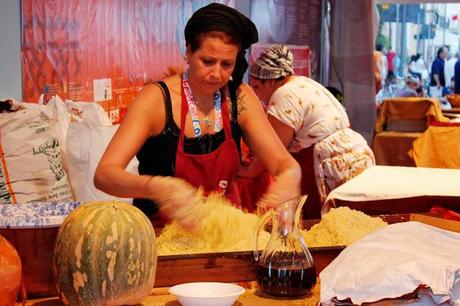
[(102, 51)]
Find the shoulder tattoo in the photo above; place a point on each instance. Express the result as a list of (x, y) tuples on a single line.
[(241, 103)]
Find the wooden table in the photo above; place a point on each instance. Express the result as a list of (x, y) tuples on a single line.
[(252, 297)]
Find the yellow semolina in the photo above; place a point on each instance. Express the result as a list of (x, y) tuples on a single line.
[(225, 228)]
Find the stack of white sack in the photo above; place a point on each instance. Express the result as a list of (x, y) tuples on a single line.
[(83, 130), (393, 262)]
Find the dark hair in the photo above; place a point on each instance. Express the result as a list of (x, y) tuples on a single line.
[(195, 43), (336, 93), (415, 57), (379, 47), (220, 18), (263, 81), (440, 50)]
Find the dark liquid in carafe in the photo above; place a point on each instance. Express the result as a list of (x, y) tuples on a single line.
[(286, 281)]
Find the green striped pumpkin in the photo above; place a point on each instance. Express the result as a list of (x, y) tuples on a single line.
[(105, 254)]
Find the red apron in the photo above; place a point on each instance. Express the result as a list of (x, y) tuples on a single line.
[(251, 189), (213, 171), (312, 207)]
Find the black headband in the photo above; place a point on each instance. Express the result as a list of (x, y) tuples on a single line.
[(222, 18)]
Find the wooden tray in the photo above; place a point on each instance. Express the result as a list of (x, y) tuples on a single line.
[(235, 266), (223, 267)]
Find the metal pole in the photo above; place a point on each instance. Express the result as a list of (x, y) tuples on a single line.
[(403, 41), (444, 28), (419, 31), (325, 46), (390, 35), (397, 23)]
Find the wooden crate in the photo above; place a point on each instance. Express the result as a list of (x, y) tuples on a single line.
[(235, 266), (223, 267)]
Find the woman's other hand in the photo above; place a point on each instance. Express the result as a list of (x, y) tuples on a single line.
[(177, 199), (285, 187)]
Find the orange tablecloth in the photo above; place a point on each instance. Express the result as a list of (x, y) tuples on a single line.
[(391, 148), (438, 147), (397, 109)]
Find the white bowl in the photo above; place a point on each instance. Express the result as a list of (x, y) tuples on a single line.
[(207, 293)]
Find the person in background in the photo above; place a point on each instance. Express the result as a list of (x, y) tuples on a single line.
[(449, 89), (413, 66), (437, 81), (418, 68), (378, 67), (312, 124), (412, 88), (449, 67), (390, 62), (457, 77), (187, 128), (384, 64), (396, 65)]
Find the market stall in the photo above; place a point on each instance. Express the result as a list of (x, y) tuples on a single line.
[(400, 121)]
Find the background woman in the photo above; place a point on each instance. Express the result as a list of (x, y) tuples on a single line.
[(312, 124)]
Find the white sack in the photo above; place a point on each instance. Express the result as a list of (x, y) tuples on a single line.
[(31, 165), (89, 112), (85, 146)]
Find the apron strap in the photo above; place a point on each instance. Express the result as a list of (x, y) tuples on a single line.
[(221, 115)]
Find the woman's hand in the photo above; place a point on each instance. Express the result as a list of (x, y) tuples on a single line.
[(285, 187), (177, 199)]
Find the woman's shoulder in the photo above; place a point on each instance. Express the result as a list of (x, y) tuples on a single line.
[(247, 103), (245, 93), (173, 83), (244, 89), (153, 91), (148, 93), (293, 87)]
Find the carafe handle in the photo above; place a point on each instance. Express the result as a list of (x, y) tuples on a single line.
[(260, 226), (298, 212)]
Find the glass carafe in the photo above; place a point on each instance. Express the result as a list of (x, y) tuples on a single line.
[(285, 268)]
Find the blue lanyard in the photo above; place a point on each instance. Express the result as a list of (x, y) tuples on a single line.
[(192, 108)]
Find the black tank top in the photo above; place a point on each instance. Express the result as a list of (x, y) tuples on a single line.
[(157, 155)]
